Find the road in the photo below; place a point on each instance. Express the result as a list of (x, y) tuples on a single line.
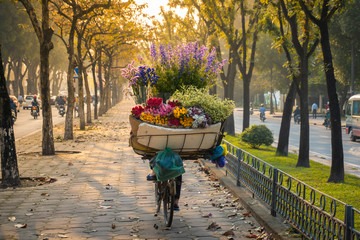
[(320, 138), (26, 124)]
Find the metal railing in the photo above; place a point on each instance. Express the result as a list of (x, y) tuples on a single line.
[(315, 214)]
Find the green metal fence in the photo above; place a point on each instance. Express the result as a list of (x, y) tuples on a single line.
[(315, 214)]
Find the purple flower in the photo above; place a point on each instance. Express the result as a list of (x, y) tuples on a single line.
[(153, 52)]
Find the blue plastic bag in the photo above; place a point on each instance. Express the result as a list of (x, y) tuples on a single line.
[(168, 164)]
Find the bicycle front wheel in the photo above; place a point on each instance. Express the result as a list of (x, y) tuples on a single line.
[(168, 203)]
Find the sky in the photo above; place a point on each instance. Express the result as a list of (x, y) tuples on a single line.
[(154, 7)]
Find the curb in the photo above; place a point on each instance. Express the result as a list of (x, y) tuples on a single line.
[(274, 225)]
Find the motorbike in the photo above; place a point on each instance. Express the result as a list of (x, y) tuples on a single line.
[(262, 117), (62, 110), (297, 119), (13, 115), (34, 112), (327, 122)]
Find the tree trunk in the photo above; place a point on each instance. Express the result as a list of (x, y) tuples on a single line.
[(80, 85), (32, 76), (271, 92), (9, 166), (71, 90), (283, 143), (102, 97), (230, 122), (47, 131), (337, 152), (114, 93), (108, 85), (93, 69), (229, 83), (303, 157), (21, 85), (17, 75), (246, 113), (88, 96)]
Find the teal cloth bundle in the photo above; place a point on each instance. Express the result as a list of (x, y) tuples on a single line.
[(168, 164)]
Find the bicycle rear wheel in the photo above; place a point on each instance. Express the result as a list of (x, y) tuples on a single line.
[(168, 202)]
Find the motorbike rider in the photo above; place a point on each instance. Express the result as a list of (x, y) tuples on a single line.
[(13, 106), (262, 111), (61, 101), (35, 103), (296, 112), (326, 122)]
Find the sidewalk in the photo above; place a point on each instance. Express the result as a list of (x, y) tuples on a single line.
[(100, 192)]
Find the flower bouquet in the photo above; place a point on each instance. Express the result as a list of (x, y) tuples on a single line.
[(172, 68), (191, 130), (140, 80)]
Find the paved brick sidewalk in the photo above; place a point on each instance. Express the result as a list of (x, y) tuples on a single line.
[(101, 192)]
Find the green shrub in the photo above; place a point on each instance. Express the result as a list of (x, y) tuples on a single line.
[(256, 135)]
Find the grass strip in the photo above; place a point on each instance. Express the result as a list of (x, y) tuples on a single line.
[(316, 176)]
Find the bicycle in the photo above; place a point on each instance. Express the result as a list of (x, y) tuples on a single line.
[(189, 144), (165, 193)]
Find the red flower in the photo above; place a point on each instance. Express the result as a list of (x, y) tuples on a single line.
[(136, 111), (173, 121), (154, 102), (174, 104)]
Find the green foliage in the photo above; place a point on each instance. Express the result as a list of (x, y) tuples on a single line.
[(257, 135), (217, 109)]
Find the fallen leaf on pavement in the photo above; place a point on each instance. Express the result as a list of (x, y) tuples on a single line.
[(45, 194), (229, 233), (70, 164), (20, 225), (252, 236), (207, 215), (246, 214), (113, 226), (213, 226), (233, 215), (12, 219), (62, 236)]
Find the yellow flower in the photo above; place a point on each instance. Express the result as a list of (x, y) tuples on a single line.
[(178, 112), (186, 121), (146, 117)]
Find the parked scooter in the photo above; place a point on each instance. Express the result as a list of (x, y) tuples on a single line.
[(34, 112), (62, 110)]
